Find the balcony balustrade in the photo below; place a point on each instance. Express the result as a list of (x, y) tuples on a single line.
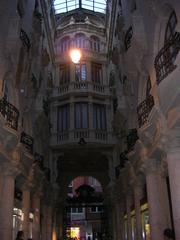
[(10, 113), (82, 43), (27, 141), (144, 109), (80, 86), (164, 61), (89, 135)]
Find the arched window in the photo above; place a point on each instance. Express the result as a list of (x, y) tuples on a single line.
[(80, 40), (65, 44), (95, 43), (170, 27)]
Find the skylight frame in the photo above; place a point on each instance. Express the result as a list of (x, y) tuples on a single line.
[(63, 6)]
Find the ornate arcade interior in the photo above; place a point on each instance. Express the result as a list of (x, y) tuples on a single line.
[(89, 119)]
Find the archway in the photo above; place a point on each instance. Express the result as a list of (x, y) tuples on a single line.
[(84, 212)]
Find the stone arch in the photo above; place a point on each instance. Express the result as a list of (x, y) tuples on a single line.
[(67, 180), (79, 176)]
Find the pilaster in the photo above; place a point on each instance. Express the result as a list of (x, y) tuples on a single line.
[(7, 202)]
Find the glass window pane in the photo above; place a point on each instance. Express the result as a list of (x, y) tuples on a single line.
[(83, 72), (77, 73)]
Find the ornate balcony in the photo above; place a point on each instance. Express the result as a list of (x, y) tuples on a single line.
[(27, 141), (76, 135), (81, 86), (10, 113), (164, 61), (144, 109)]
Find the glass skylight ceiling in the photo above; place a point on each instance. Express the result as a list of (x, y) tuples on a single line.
[(62, 6)]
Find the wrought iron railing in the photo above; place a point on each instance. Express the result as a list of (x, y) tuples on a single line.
[(164, 61), (39, 159), (28, 141), (25, 39), (123, 159), (132, 137), (128, 38), (10, 113), (144, 109)]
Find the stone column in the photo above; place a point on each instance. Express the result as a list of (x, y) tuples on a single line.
[(36, 222), (173, 159), (90, 106), (54, 228), (88, 67), (7, 204), (72, 72), (137, 198), (113, 217), (59, 225), (72, 122), (1, 184), (129, 223), (154, 199), (49, 222), (26, 209), (120, 220)]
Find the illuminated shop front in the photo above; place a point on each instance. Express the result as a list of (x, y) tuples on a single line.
[(17, 221), (18, 218), (145, 223), (75, 232)]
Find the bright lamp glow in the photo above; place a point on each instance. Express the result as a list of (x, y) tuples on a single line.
[(75, 55)]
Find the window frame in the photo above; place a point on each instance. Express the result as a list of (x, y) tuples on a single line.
[(82, 124), (65, 69), (79, 75), (99, 117), (96, 72), (61, 119)]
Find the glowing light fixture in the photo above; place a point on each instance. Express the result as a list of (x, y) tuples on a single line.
[(75, 55)]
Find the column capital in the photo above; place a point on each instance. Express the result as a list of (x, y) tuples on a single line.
[(151, 165), (174, 140), (27, 186), (9, 169)]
